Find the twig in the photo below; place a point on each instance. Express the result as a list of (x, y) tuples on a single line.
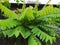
[(24, 5), (46, 3), (36, 5)]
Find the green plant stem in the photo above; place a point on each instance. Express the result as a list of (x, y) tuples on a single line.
[(24, 5), (46, 3), (36, 5)]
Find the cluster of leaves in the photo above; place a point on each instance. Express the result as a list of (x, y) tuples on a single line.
[(6, 3), (31, 23)]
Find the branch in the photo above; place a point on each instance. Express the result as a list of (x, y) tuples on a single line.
[(46, 3)]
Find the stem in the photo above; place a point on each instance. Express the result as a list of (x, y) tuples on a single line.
[(24, 5), (36, 5), (46, 3)]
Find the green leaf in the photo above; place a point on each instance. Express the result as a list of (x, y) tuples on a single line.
[(7, 12), (12, 32), (24, 32), (43, 35), (7, 4), (8, 23), (48, 10), (27, 14), (33, 40), (52, 31)]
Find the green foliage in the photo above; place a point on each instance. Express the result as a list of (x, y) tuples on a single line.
[(25, 16), (34, 25), (33, 40), (7, 4), (49, 10), (24, 32), (11, 32), (42, 35), (8, 13), (8, 23), (4, 0)]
